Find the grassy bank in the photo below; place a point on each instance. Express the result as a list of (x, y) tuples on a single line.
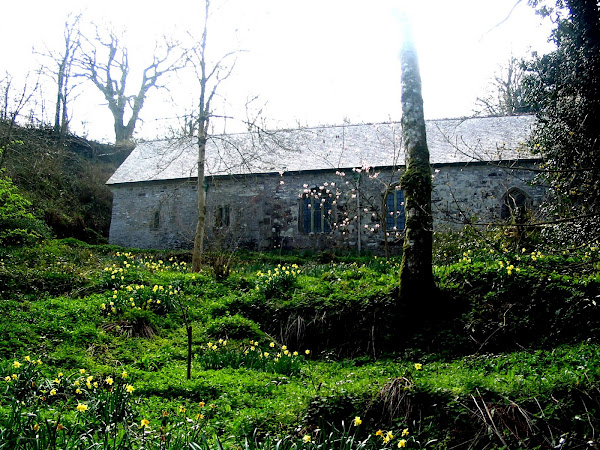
[(295, 352)]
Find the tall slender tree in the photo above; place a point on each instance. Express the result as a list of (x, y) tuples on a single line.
[(416, 273), (209, 79)]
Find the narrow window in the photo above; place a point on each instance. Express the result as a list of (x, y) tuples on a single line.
[(515, 205), (395, 218), (155, 220), (222, 217), (315, 213)]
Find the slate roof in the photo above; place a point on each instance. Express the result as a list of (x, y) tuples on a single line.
[(329, 147)]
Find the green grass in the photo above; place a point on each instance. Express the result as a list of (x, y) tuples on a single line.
[(513, 360)]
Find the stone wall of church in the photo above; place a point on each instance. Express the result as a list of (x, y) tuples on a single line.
[(270, 211)]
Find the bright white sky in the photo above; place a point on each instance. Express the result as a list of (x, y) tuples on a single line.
[(311, 62)]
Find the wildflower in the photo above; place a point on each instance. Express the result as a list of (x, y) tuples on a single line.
[(28, 358), (144, 423), (16, 364), (306, 439), (405, 432), (357, 421), (36, 427), (379, 432), (123, 374), (129, 388), (53, 392), (402, 443), (307, 352), (182, 409), (201, 404), (60, 374), (418, 366), (199, 416), (284, 347), (60, 427), (78, 391), (109, 381), (14, 376), (82, 407), (272, 344), (82, 371)]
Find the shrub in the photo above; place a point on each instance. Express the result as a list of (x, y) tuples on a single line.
[(17, 225)]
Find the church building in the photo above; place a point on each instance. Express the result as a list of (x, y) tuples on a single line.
[(321, 188)]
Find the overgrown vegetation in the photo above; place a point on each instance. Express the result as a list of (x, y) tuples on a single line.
[(62, 180), (290, 353)]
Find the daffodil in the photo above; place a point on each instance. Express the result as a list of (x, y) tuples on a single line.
[(402, 443), (82, 407), (129, 388), (306, 438), (16, 364), (109, 381), (418, 366), (405, 432), (357, 421)]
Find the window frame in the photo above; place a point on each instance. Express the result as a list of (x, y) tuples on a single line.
[(397, 214), (316, 213)]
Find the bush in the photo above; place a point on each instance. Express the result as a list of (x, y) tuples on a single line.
[(17, 225), (234, 327)]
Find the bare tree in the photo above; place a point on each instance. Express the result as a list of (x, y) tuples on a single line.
[(14, 100), (416, 272), (60, 71), (105, 62), (209, 79), (507, 93)]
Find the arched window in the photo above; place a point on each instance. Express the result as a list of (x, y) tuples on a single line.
[(395, 217), (315, 212), (515, 205)]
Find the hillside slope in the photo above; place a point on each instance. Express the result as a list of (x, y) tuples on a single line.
[(65, 180)]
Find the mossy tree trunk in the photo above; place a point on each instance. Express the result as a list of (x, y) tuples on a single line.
[(416, 273)]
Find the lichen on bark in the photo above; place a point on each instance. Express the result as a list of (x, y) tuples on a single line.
[(416, 273)]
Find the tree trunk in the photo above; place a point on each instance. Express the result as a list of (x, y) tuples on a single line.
[(416, 274), (200, 225), (189, 351)]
